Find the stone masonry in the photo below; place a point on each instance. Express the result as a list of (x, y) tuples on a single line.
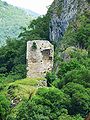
[(40, 55)]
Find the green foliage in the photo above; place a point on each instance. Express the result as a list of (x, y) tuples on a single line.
[(13, 59), (23, 88), (80, 98), (74, 71), (38, 29), (11, 21), (22, 112), (50, 78), (45, 105), (69, 98), (78, 76), (10, 117), (13, 54), (34, 46), (89, 51), (78, 32), (68, 117), (77, 53), (4, 107), (83, 36), (68, 66)]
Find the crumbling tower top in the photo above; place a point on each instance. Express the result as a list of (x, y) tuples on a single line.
[(40, 55)]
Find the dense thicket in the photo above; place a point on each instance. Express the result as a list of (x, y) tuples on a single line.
[(67, 96), (13, 59)]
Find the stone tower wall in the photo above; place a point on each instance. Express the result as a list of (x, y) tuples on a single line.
[(39, 58)]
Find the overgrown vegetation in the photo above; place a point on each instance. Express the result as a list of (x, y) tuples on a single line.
[(67, 96), (78, 32), (13, 54), (34, 46)]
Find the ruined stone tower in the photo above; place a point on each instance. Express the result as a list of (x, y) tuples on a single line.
[(40, 55)]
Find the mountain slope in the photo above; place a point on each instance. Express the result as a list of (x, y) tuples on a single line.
[(63, 12), (11, 19)]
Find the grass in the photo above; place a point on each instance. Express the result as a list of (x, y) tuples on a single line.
[(28, 81), (23, 88)]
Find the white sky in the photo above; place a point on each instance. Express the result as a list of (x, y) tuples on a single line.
[(38, 6)]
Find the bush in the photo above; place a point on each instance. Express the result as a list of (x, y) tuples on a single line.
[(68, 66), (81, 76), (4, 107), (80, 98), (68, 117), (50, 78), (34, 46), (48, 104)]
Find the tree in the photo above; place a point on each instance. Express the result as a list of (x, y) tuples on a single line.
[(13, 58), (38, 29), (68, 66), (48, 104), (80, 98), (81, 76)]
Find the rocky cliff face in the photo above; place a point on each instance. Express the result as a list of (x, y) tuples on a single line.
[(62, 13)]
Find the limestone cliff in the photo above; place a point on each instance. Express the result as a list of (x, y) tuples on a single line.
[(62, 12)]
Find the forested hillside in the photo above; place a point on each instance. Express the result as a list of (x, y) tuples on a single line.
[(67, 94), (11, 20)]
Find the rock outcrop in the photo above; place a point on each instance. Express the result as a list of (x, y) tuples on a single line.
[(62, 13), (40, 55)]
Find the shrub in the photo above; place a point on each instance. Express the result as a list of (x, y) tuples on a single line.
[(4, 107), (68, 66), (50, 78), (34, 46), (80, 98)]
